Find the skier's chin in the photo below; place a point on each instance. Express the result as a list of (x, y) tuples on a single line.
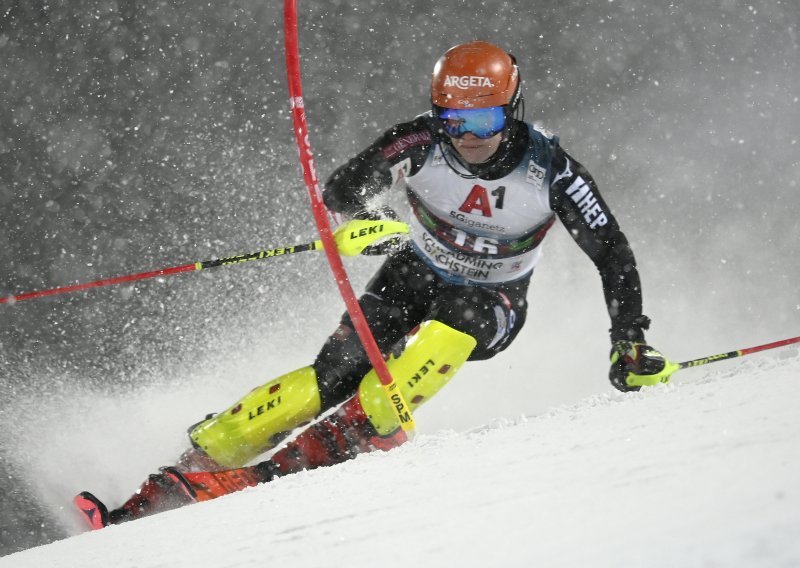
[(476, 150)]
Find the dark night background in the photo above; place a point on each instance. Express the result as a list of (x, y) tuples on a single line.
[(141, 135)]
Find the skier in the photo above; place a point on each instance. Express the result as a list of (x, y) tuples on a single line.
[(484, 188)]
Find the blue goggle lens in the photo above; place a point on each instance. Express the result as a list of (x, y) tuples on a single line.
[(481, 122)]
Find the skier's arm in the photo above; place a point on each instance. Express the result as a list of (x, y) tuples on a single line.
[(401, 149), (575, 199)]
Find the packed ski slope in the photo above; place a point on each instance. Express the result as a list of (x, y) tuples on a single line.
[(701, 472)]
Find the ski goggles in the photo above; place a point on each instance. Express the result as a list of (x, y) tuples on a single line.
[(481, 122)]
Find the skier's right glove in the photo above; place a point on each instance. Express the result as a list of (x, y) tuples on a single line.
[(365, 236), (636, 364), (377, 214), (385, 246)]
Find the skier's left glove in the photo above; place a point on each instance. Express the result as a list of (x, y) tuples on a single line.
[(635, 365)]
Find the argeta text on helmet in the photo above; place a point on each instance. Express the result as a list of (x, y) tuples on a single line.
[(467, 81)]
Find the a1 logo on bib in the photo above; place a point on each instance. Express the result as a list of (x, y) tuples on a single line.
[(477, 202), (535, 175)]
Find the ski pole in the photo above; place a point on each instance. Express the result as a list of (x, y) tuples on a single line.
[(351, 238), (737, 353)]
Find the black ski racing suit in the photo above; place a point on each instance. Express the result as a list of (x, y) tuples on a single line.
[(409, 288)]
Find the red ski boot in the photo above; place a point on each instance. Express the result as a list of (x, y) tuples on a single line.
[(339, 437), (161, 492)]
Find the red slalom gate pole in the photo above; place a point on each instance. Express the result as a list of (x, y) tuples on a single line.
[(321, 218), (738, 353)]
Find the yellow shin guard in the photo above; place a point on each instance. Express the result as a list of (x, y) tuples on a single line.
[(258, 421), (429, 361)]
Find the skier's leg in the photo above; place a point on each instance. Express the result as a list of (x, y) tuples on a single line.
[(395, 302), (259, 420), (363, 423)]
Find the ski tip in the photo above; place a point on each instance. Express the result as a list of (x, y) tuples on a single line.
[(92, 510)]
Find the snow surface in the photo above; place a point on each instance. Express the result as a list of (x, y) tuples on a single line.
[(700, 472)]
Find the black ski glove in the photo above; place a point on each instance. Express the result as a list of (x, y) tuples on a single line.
[(388, 246), (636, 364), (378, 214)]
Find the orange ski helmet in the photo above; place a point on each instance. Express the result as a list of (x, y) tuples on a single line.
[(476, 74)]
